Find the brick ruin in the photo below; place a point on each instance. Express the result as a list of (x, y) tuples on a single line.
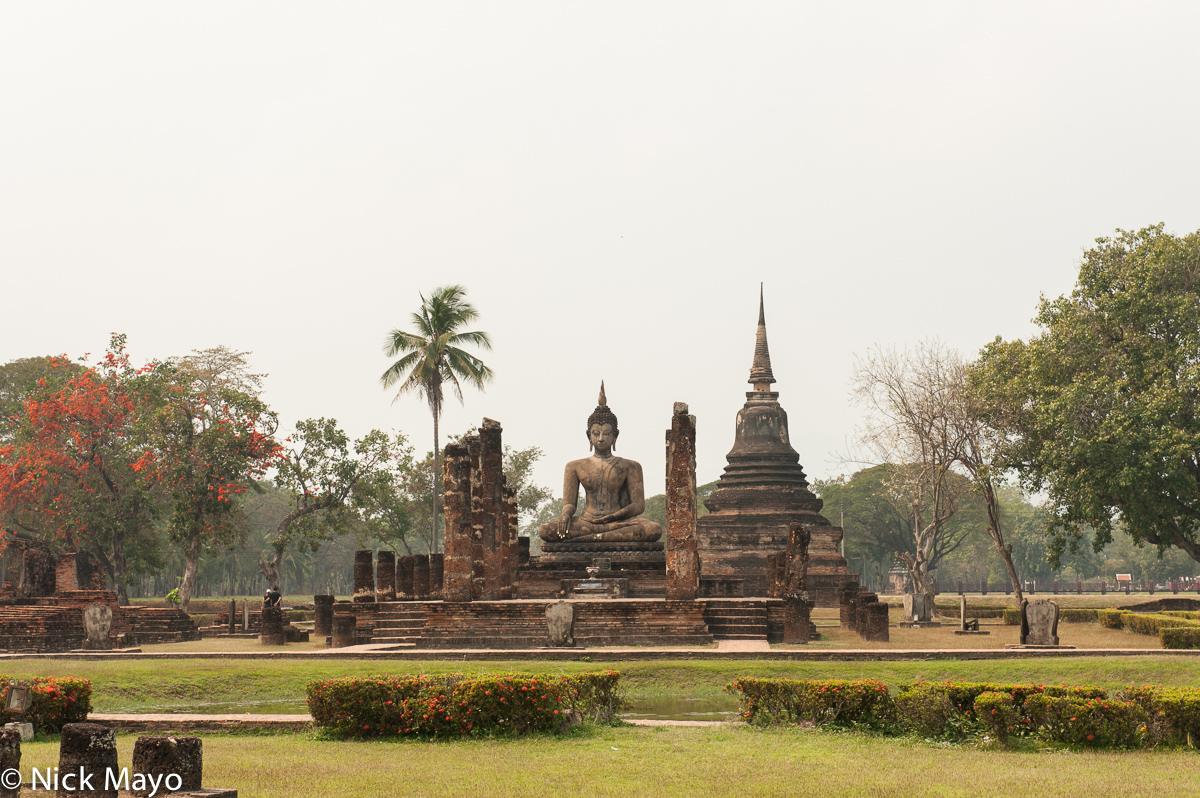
[(43, 599), (481, 559)]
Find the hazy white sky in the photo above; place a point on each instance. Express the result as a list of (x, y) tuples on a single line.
[(610, 181)]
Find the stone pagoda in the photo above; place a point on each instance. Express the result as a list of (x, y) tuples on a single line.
[(761, 493)]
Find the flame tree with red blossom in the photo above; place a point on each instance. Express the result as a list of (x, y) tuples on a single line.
[(80, 467)]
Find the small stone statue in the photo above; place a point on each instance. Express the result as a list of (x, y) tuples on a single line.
[(614, 488)]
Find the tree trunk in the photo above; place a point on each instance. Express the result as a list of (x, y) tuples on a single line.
[(270, 568), (191, 565), (436, 474), (993, 511)]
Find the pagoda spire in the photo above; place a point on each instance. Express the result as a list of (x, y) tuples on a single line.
[(760, 370)]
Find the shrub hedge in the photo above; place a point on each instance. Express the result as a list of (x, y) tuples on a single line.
[(1180, 637), (1079, 716), (56, 700), (821, 702), (454, 705), (1012, 617), (1173, 713)]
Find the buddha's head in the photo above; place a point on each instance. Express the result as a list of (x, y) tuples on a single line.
[(602, 425)]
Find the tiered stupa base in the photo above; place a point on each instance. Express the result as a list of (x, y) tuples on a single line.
[(643, 564)]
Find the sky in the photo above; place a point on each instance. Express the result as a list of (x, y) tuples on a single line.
[(611, 182)]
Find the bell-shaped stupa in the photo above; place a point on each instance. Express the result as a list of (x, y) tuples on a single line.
[(761, 493)]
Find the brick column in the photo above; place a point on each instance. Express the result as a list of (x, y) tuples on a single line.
[(343, 628), (683, 564), (437, 575), (271, 627), (385, 576), (456, 484), (323, 616), (491, 509), (364, 576), (421, 577), (404, 577)]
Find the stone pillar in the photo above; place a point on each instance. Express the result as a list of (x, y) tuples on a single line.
[(437, 575), (456, 485), (421, 577), (343, 628), (90, 749), (683, 564), (159, 757), (271, 627), (404, 577), (10, 759), (246, 615), (323, 616), (385, 576), (232, 616), (491, 516), (797, 608), (364, 576)]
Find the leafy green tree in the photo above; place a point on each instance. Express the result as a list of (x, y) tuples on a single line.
[(878, 516), (321, 471), (431, 359), (1101, 409), (216, 438)]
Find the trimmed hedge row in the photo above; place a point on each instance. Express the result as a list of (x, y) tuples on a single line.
[(864, 702), (455, 705), (1012, 617), (1080, 716), (1180, 637), (56, 700)]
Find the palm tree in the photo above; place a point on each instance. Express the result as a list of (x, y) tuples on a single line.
[(431, 359)]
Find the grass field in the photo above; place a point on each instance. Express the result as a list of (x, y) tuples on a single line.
[(669, 762), (148, 686)]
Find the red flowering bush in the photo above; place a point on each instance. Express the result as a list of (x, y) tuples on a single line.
[(1173, 713), (998, 711), (55, 700), (1093, 722), (863, 702), (455, 705)]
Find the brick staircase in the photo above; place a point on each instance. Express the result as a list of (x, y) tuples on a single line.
[(736, 619), (160, 625), (399, 623)]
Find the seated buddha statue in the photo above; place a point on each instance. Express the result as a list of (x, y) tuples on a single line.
[(613, 486)]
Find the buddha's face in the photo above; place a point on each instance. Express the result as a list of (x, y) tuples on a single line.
[(602, 437)]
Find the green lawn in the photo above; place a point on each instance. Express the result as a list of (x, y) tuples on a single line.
[(667, 762), (147, 686)]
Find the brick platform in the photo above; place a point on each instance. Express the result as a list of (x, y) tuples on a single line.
[(522, 624)]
